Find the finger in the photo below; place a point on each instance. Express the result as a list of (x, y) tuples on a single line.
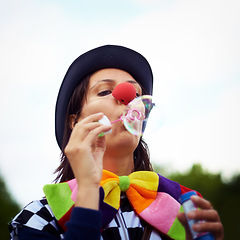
[(100, 148), (100, 143), (91, 137), (88, 124), (81, 130), (183, 220), (209, 215), (201, 202), (214, 227), (86, 127), (92, 118)]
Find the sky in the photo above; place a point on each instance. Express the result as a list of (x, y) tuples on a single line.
[(192, 46)]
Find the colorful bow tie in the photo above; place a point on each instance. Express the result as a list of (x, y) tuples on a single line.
[(153, 198)]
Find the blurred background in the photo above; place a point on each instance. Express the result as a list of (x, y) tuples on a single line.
[(193, 48)]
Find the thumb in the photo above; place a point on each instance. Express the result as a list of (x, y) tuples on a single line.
[(100, 147), (183, 220)]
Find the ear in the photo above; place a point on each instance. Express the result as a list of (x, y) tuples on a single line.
[(71, 121)]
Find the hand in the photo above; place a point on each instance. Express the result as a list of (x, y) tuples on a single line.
[(208, 214), (85, 152)]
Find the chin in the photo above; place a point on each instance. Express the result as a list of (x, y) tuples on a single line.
[(122, 140)]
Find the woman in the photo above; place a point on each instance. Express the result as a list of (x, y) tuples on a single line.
[(76, 208)]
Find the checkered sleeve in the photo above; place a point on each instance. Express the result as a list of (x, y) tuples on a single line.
[(36, 215)]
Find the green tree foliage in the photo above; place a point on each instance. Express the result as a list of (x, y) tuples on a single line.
[(9, 208), (225, 197)]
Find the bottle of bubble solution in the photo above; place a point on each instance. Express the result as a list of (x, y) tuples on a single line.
[(188, 206)]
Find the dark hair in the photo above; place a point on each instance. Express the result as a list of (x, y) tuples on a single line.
[(64, 170)]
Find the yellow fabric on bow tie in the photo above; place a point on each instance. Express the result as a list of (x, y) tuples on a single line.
[(140, 187)]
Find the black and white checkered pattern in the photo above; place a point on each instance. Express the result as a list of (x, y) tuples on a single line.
[(36, 215), (127, 225)]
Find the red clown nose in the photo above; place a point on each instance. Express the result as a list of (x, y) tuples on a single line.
[(124, 92)]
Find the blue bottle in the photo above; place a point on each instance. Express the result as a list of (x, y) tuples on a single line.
[(188, 206)]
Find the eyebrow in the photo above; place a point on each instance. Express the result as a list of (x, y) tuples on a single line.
[(112, 81)]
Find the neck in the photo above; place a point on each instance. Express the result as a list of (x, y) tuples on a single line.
[(120, 165)]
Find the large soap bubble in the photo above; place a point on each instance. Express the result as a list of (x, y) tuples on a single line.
[(136, 115)]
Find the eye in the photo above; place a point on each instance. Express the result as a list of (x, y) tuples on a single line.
[(104, 93)]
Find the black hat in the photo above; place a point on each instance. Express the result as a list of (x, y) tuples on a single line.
[(108, 56)]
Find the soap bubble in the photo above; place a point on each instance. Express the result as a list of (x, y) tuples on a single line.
[(137, 113)]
